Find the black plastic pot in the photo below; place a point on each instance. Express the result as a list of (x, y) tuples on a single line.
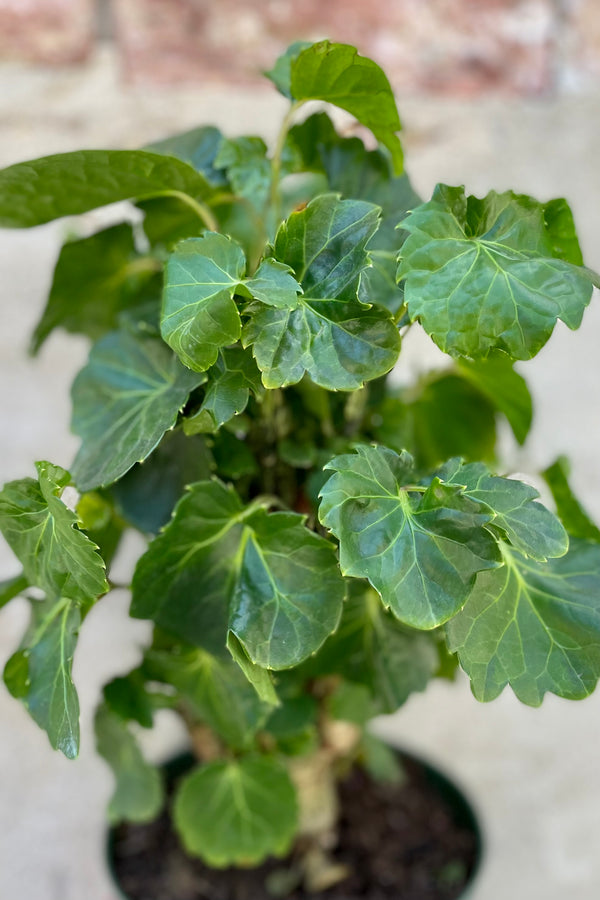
[(463, 812)]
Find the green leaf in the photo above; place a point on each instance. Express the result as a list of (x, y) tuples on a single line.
[(448, 417), (233, 457), (103, 525), (535, 626), (248, 169), (496, 379), (573, 515), (12, 587), (335, 73), (420, 551), (217, 689), (39, 673), (128, 698), (237, 812), (482, 275), (72, 183), (527, 524), (199, 314), (261, 679), (230, 382), (219, 566), (274, 284), (148, 492), (370, 647), (362, 174), (138, 794), (124, 399), (281, 74), (56, 556), (560, 228), (94, 280), (326, 332), (197, 147)]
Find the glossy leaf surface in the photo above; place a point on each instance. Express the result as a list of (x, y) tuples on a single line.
[(68, 184), (56, 556), (326, 332), (420, 551), (124, 399), (483, 275), (230, 382), (237, 812), (39, 673), (535, 626), (528, 525), (199, 314), (335, 73), (263, 576)]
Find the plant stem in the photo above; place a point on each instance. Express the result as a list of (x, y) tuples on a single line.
[(276, 158), (202, 211)]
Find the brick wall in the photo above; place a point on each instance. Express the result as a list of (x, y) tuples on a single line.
[(440, 46), (47, 31)]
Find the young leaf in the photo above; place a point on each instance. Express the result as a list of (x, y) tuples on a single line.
[(572, 514), (264, 576), (56, 556), (39, 673), (124, 399), (94, 280), (199, 314), (237, 812), (482, 275), (274, 284), (138, 794), (326, 332), (535, 626), (420, 551), (497, 380), (72, 183), (230, 382), (217, 690), (528, 525), (248, 169), (335, 73)]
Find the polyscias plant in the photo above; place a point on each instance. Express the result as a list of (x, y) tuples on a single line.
[(321, 543)]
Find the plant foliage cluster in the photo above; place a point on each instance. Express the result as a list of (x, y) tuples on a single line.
[(321, 543)]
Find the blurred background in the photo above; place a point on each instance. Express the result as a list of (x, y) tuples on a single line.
[(493, 94)]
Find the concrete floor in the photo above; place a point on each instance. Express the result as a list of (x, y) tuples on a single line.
[(533, 773)]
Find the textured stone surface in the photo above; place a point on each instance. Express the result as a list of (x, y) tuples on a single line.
[(447, 46), (47, 31), (534, 774)]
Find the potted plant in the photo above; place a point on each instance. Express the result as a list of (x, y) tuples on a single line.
[(321, 542)]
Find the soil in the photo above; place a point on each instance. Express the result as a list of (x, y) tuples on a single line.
[(411, 841)]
